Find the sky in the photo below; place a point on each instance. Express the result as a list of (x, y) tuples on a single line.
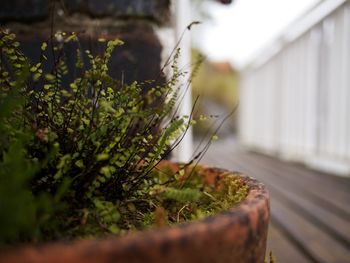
[(237, 32)]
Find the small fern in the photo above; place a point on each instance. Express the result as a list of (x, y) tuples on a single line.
[(185, 195), (102, 135), (91, 143)]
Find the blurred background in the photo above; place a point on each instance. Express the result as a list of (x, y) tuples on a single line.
[(282, 67), (287, 65), (291, 58)]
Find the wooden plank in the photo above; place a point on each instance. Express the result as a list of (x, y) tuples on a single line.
[(321, 246), (282, 248), (316, 192), (329, 222), (341, 184)]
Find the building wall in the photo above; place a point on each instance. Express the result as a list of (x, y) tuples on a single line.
[(295, 104), (137, 22)]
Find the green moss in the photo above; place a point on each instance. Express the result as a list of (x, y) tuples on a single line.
[(188, 197)]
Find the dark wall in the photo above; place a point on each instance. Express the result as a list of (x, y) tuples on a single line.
[(133, 21)]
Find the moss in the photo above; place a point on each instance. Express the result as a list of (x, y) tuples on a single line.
[(187, 197)]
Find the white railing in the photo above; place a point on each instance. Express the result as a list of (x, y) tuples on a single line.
[(295, 97), (182, 20)]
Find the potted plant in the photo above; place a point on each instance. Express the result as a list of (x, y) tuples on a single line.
[(81, 170)]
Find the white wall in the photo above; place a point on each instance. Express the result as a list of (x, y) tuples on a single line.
[(295, 102)]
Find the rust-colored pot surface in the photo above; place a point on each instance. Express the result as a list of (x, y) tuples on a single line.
[(237, 235)]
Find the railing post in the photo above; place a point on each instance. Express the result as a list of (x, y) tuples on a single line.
[(182, 9)]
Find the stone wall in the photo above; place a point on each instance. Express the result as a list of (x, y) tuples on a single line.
[(136, 22)]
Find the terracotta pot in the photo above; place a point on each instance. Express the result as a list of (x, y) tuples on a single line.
[(237, 235)]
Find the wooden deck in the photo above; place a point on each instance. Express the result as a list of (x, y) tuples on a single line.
[(310, 211)]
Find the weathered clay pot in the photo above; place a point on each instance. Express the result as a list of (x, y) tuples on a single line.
[(237, 235)]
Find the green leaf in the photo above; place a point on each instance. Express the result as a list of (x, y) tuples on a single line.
[(102, 157), (114, 229), (80, 164), (43, 46), (85, 121), (49, 77)]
